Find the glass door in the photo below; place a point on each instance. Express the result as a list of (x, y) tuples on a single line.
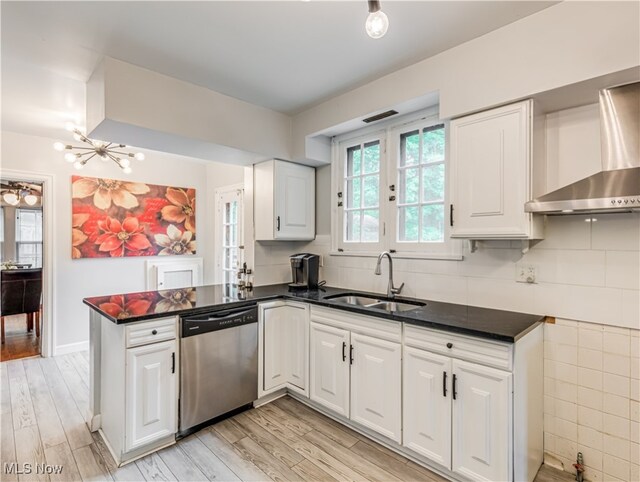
[(230, 238)]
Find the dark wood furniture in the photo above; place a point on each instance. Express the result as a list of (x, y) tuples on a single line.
[(21, 294)]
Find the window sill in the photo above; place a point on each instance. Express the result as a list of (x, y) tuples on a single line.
[(399, 255)]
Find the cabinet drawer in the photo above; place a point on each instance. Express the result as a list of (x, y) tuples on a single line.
[(485, 352), (150, 332)]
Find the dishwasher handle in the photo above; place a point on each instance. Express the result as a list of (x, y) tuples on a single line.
[(218, 315)]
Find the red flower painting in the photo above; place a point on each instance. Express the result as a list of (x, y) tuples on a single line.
[(113, 218)]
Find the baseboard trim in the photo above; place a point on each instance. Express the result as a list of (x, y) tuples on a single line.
[(71, 348)]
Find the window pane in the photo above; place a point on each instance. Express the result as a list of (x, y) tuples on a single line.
[(370, 225), (354, 161), (371, 191), (354, 193), (408, 223), (352, 228), (433, 144), (433, 223), (433, 183), (409, 148), (372, 157), (409, 185)]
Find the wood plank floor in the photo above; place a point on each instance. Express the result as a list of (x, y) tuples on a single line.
[(42, 402), (19, 343)]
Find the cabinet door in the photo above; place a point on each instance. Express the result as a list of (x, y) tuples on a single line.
[(375, 385), (298, 350), (427, 404), (275, 322), (151, 393), (294, 201), (482, 410), (329, 367), (490, 173)]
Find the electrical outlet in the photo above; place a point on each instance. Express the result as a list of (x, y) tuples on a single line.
[(526, 273)]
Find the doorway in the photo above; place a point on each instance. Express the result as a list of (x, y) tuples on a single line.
[(21, 263), (229, 235)]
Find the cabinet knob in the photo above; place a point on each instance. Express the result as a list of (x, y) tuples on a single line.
[(154, 332), (449, 345)]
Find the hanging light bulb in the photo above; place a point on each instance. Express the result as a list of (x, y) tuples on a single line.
[(69, 157), (58, 146), (77, 165), (377, 22), (70, 126), (126, 170), (30, 199), (125, 163), (139, 156), (11, 198)]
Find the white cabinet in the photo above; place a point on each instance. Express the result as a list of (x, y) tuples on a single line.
[(283, 347), (329, 367), (356, 369), (492, 174), (464, 414), (150, 393), (481, 422), (284, 198), (138, 386), (427, 404), (376, 385)]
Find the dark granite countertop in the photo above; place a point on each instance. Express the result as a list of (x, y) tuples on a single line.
[(470, 320)]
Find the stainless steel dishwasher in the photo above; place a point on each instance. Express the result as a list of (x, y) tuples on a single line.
[(219, 365)]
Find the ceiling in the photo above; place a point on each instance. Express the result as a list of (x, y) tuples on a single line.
[(284, 55)]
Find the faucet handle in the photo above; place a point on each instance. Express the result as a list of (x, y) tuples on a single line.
[(398, 290)]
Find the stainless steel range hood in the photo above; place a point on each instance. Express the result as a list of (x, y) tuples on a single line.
[(617, 187)]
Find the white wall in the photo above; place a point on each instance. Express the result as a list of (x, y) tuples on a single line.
[(77, 279), (564, 44)]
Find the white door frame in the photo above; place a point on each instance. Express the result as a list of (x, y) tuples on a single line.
[(217, 277), (48, 334)]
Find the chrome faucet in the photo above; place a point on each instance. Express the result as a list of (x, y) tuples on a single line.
[(391, 290)]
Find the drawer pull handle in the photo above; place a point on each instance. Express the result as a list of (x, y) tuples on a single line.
[(449, 345), (344, 351), (173, 362), (154, 332), (350, 354)]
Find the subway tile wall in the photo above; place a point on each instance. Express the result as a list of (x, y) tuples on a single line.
[(588, 276)]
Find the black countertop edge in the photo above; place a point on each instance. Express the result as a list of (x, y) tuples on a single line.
[(499, 325)]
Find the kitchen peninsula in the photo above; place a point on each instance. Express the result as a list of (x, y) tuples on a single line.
[(486, 362)]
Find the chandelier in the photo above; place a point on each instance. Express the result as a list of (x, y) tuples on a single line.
[(13, 193), (106, 151)]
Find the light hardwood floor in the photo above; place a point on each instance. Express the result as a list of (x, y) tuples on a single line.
[(42, 407)]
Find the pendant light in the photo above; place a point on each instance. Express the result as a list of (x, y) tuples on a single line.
[(377, 22)]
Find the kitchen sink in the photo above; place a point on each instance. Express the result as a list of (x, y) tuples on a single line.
[(375, 303)]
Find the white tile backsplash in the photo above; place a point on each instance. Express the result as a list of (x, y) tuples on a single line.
[(604, 414)]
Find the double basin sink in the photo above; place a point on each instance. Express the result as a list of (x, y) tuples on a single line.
[(389, 306)]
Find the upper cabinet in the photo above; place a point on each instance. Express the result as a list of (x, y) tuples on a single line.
[(284, 196), (492, 157)]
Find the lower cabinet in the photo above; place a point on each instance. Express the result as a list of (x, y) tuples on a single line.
[(481, 421), (138, 386), (329, 384), (376, 385), (283, 346), (355, 374), (427, 404), (150, 384), (458, 413)]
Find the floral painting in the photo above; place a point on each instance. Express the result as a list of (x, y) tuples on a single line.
[(112, 218)]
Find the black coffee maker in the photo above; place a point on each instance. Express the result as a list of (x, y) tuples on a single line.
[(304, 271)]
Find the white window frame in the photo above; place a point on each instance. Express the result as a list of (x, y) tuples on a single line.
[(39, 245), (221, 196), (340, 183), (389, 135)]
